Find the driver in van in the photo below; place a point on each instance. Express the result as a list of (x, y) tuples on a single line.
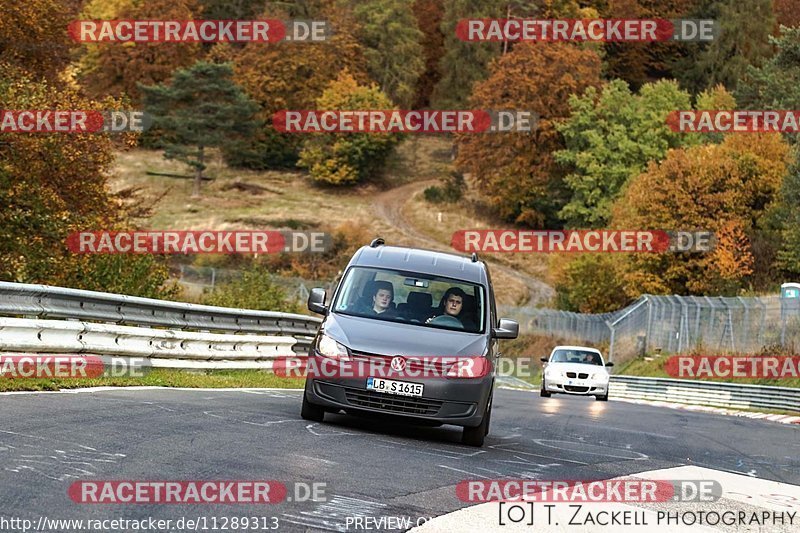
[(453, 305)]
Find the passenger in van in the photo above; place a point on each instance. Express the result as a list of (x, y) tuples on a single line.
[(382, 299), (452, 304)]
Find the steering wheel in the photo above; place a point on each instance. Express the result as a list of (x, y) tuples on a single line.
[(447, 320)]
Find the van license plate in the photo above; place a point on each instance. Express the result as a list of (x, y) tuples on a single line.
[(390, 386)]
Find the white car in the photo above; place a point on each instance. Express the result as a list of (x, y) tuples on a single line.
[(575, 370)]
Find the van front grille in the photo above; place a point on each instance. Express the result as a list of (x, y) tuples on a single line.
[(393, 403)]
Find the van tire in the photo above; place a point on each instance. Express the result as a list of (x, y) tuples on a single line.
[(474, 436), (311, 412)]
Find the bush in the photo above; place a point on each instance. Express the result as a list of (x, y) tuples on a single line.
[(590, 283), (134, 275), (267, 149), (347, 158), (345, 240), (451, 191), (254, 290)]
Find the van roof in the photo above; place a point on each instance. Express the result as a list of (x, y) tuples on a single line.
[(422, 261)]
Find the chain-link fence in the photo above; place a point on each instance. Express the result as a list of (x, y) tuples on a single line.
[(665, 324), (676, 324), (200, 279)]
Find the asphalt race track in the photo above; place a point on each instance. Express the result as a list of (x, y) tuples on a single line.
[(47, 441)]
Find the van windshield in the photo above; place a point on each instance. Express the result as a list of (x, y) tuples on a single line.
[(420, 299)]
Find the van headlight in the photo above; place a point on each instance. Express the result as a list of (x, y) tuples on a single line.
[(327, 347)]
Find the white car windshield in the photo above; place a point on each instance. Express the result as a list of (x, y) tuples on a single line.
[(413, 298), (577, 356)]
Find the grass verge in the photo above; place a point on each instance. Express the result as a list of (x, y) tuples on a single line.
[(655, 369), (162, 377)]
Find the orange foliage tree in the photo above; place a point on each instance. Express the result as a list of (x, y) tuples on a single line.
[(516, 171), (290, 75), (114, 69), (33, 34), (726, 188), (52, 184), (429, 19)]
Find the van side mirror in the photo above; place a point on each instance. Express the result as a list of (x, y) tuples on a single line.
[(508, 329), (544, 359), (609, 364), (316, 301)]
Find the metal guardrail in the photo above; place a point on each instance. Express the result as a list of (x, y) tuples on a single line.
[(43, 301), (715, 394), (168, 347)]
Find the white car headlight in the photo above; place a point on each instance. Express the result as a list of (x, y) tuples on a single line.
[(330, 348)]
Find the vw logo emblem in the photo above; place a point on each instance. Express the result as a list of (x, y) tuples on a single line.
[(398, 364)]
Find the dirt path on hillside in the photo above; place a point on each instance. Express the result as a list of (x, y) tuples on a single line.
[(389, 205)]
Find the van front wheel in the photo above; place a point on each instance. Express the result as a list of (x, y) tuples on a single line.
[(311, 412), (474, 436)]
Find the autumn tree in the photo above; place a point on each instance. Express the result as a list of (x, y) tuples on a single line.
[(463, 63), (516, 171), (776, 85), (33, 35), (201, 108), (231, 9), (742, 41), (726, 188), (347, 158), (116, 69), (429, 15), (787, 13), (641, 62), (289, 75), (590, 283), (51, 185), (392, 45), (611, 135), (787, 215)]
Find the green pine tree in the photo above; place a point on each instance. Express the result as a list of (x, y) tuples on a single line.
[(776, 84), (743, 41), (463, 62), (201, 108), (395, 59), (788, 211)]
